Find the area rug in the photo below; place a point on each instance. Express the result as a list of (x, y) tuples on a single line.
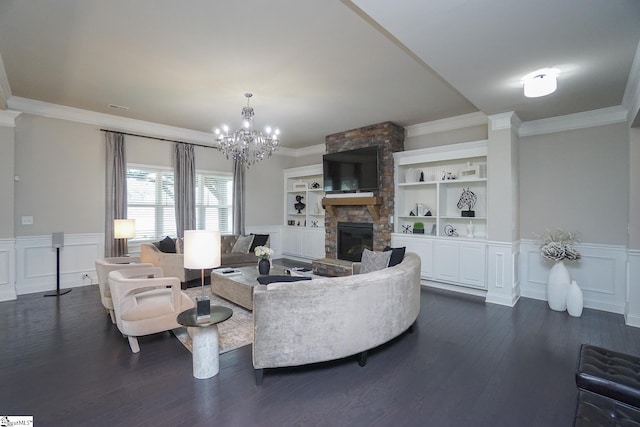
[(234, 333)]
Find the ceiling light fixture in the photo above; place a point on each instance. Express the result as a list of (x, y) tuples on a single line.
[(247, 145), (540, 82)]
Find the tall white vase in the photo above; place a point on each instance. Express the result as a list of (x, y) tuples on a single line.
[(558, 286), (575, 301)]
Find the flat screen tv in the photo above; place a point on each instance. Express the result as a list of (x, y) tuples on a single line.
[(351, 171)]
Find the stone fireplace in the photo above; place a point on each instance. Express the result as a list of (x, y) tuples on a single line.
[(390, 138)]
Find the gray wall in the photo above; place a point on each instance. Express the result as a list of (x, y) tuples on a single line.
[(6, 181), (62, 176), (61, 170), (634, 188), (578, 181), (474, 133)]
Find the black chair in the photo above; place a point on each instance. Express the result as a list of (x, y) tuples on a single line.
[(609, 388)]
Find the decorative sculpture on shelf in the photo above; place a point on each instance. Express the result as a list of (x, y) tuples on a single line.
[(469, 199), (450, 230), (299, 205), (406, 228)]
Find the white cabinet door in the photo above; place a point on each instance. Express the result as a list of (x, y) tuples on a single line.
[(446, 260), (292, 241), (423, 248), (472, 264), (313, 243)]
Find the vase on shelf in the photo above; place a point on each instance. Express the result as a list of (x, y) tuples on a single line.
[(558, 286), (575, 301), (264, 266), (470, 230)]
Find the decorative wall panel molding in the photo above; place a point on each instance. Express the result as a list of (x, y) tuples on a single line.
[(632, 312), (503, 286), (7, 270), (601, 274), (36, 262)]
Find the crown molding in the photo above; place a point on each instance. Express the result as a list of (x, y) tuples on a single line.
[(8, 118), (450, 123), (506, 120), (116, 123), (585, 119), (124, 124)]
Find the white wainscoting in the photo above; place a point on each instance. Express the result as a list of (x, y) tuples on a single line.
[(601, 274), (36, 262), (632, 313), (7, 270), (503, 278)]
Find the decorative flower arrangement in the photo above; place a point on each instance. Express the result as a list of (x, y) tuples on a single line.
[(558, 245), (263, 252)]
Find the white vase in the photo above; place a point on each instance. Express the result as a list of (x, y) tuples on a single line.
[(558, 286), (470, 229), (575, 301)]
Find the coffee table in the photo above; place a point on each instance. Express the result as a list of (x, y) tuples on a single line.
[(238, 287), (204, 339)]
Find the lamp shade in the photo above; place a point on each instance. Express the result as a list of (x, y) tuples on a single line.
[(124, 228), (201, 249)]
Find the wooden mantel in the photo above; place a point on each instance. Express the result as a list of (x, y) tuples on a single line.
[(371, 203)]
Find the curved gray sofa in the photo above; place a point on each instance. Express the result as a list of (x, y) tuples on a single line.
[(330, 318)]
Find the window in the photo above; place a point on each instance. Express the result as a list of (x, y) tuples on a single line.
[(150, 201), (214, 202)]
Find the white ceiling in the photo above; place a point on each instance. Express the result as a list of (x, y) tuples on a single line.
[(316, 67)]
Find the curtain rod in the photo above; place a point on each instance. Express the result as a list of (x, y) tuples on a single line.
[(159, 139)]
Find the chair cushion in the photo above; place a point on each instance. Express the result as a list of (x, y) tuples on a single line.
[(609, 373), (147, 304), (242, 245), (374, 261), (258, 240), (595, 410), (167, 245), (397, 255), (265, 280)]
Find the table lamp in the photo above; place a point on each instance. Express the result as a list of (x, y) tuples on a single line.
[(124, 229), (202, 250)]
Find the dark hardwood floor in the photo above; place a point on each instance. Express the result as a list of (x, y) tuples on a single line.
[(466, 364)]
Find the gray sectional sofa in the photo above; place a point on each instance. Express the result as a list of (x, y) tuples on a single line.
[(172, 263), (330, 318)]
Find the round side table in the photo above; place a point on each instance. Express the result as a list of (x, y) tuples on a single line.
[(204, 338)]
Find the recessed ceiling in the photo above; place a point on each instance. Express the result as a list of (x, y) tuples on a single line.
[(316, 68)]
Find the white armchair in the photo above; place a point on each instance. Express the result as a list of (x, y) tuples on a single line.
[(104, 266), (145, 302)]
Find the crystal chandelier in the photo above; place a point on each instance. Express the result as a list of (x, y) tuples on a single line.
[(247, 145)]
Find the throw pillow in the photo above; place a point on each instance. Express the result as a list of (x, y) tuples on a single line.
[(265, 280), (180, 245), (397, 255), (242, 245), (168, 245), (374, 261), (258, 240)]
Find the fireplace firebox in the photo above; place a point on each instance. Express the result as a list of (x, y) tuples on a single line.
[(353, 237)]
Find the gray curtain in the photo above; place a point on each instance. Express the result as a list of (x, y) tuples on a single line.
[(238, 197), (116, 192), (184, 188)]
